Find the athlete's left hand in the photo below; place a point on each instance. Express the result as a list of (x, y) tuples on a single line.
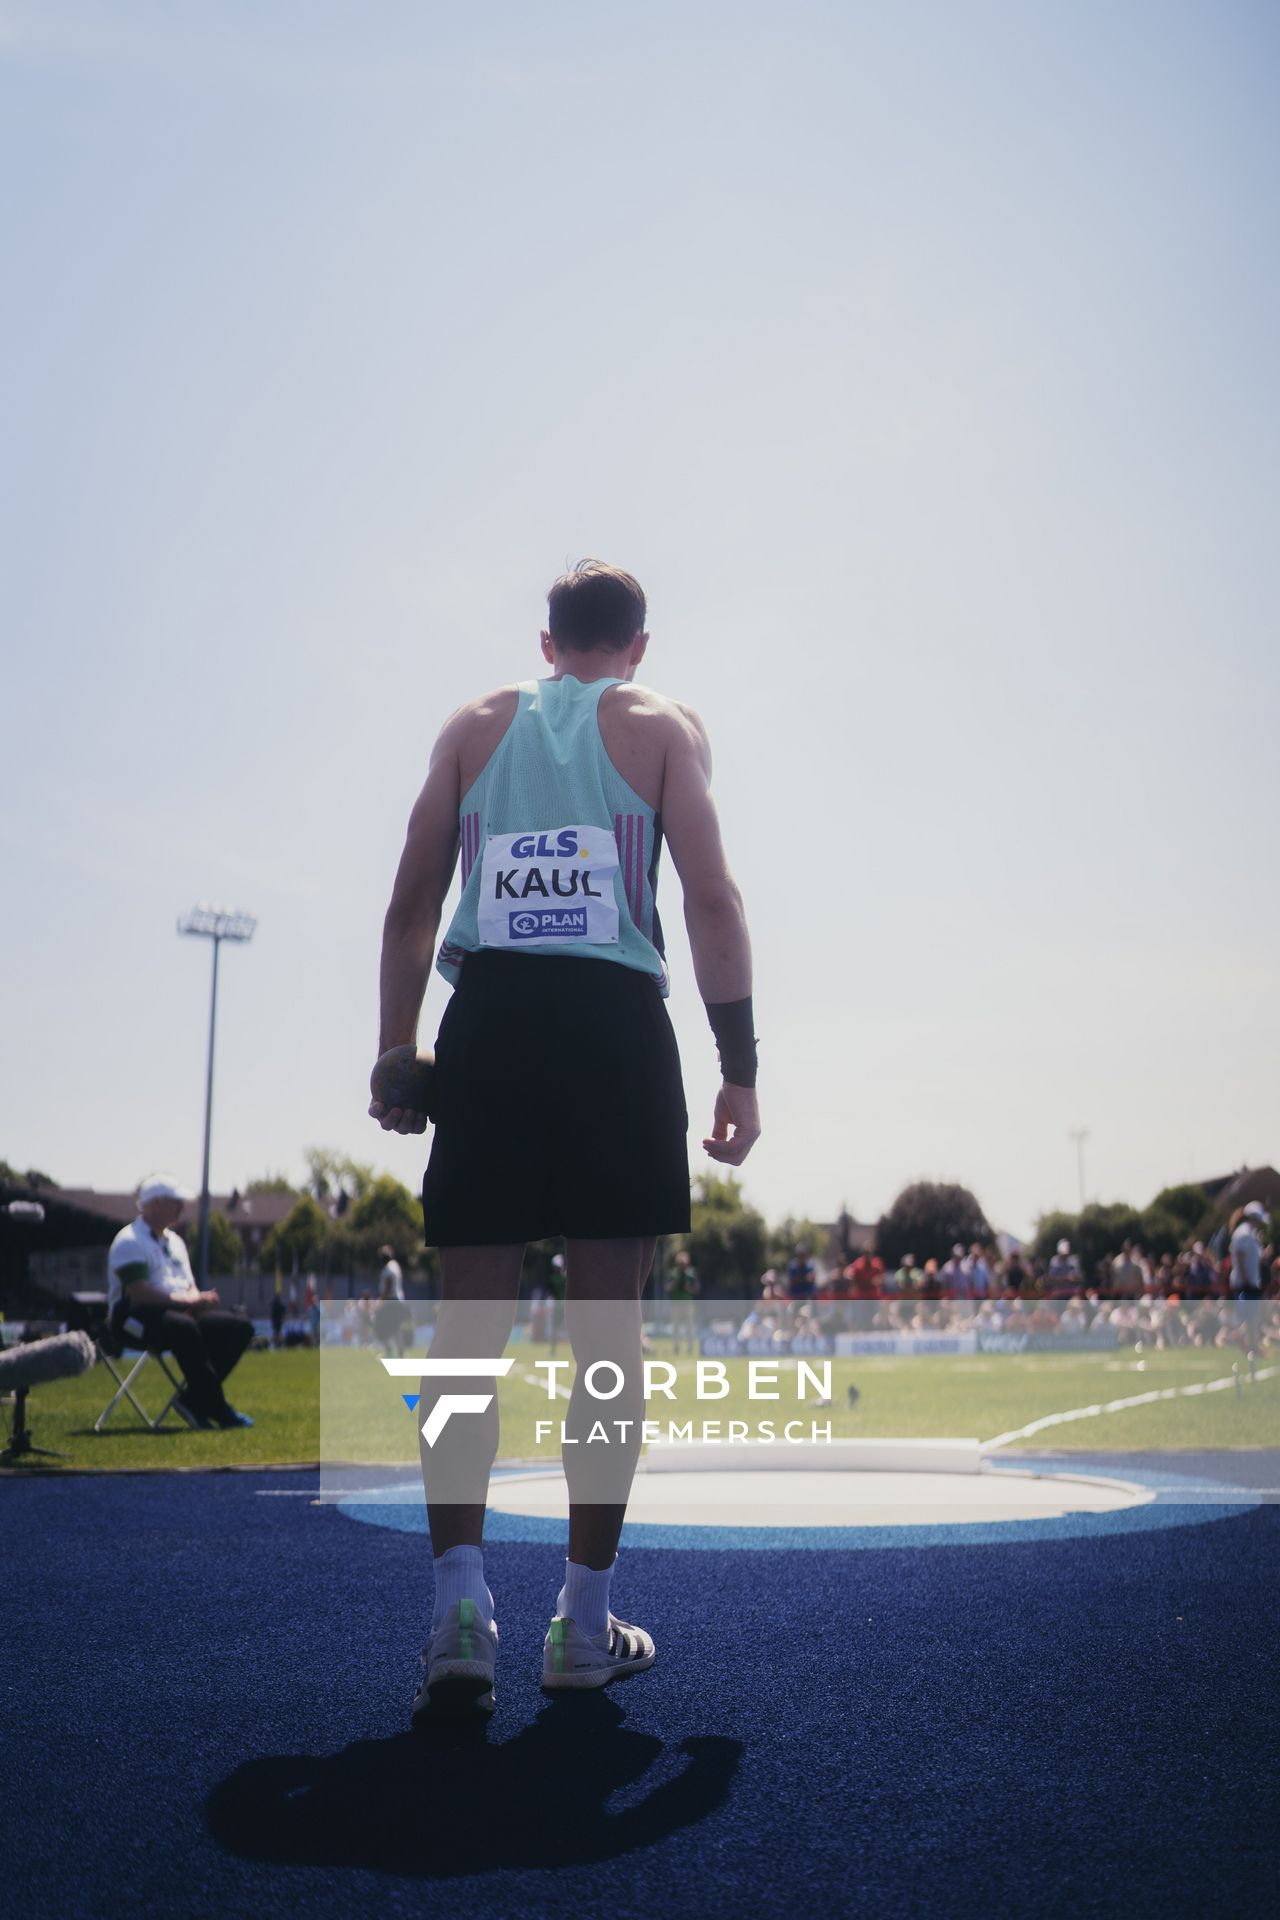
[(397, 1119), (736, 1126)]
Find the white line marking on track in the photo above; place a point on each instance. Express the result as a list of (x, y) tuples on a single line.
[(536, 1380), (1118, 1406)]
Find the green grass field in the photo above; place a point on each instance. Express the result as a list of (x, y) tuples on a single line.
[(929, 1396), (280, 1390), (971, 1396)]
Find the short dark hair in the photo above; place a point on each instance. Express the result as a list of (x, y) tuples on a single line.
[(595, 605)]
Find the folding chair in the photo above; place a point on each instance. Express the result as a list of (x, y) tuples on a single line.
[(112, 1346)]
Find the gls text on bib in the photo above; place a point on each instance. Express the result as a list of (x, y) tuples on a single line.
[(555, 884)]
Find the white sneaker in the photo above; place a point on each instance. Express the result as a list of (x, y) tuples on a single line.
[(460, 1659), (571, 1658)]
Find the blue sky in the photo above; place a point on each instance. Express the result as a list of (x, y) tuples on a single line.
[(920, 362)]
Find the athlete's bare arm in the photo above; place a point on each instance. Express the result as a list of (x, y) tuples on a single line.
[(413, 916), (712, 904), (426, 869), (713, 911)]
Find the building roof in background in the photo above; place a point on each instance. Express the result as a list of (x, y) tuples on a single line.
[(246, 1211), (1231, 1190)]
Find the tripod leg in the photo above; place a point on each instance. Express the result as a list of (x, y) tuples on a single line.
[(21, 1443)]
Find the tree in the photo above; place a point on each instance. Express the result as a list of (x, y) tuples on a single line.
[(298, 1242), (927, 1219), (727, 1239), (1103, 1231), (792, 1233), (271, 1183), (1161, 1231), (225, 1250), (386, 1214), (10, 1177), (1052, 1227), (331, 1174), (1189, 1207), (1175, 1217)]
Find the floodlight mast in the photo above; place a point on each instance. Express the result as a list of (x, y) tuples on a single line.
[(216, 924)]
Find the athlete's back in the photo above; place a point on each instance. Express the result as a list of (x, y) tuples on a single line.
[(559, 853), (658, 749), (637, 725)]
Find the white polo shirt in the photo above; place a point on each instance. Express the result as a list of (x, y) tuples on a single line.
[(164, 1254), (1246, 1257)]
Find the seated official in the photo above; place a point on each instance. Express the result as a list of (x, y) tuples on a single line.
[(153, 1301)]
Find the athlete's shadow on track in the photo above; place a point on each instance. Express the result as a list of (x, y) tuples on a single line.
[(447, 1801)]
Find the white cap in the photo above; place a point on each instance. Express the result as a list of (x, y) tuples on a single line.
[(1255, 1211), (162, 1186)]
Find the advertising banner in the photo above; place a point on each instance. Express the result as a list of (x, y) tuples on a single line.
[(906, 1343)]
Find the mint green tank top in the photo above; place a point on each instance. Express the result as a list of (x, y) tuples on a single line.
[(558, 853)]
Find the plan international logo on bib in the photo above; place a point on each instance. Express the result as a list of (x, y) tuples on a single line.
[(549, 923), (553, 885)]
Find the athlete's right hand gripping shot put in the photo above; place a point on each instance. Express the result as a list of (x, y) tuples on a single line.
[(555, 1090)]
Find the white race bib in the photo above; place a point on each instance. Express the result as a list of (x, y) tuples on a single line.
[(553, 884)]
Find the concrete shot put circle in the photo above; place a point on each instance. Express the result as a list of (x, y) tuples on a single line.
[(849, 1494), (843, 1484)]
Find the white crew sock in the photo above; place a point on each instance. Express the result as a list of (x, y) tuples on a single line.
[(584, 1597), (460, 1576)]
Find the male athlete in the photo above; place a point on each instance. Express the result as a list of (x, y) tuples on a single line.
[(558, 1102)]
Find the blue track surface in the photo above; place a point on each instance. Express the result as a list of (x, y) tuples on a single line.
[(206, 1689)]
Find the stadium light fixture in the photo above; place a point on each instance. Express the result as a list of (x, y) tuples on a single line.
[(1079, 1135), (216, 924)]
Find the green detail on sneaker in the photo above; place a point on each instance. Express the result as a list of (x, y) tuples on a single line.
[(466, 1626), (557, 1645)]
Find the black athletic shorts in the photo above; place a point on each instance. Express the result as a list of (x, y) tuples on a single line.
[(559, 1107)]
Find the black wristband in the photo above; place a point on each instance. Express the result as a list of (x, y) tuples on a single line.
[(733, 1025)]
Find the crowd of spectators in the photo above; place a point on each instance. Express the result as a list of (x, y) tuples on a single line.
[(1199, 1297), (1196, 1297), (1152, 1320)]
